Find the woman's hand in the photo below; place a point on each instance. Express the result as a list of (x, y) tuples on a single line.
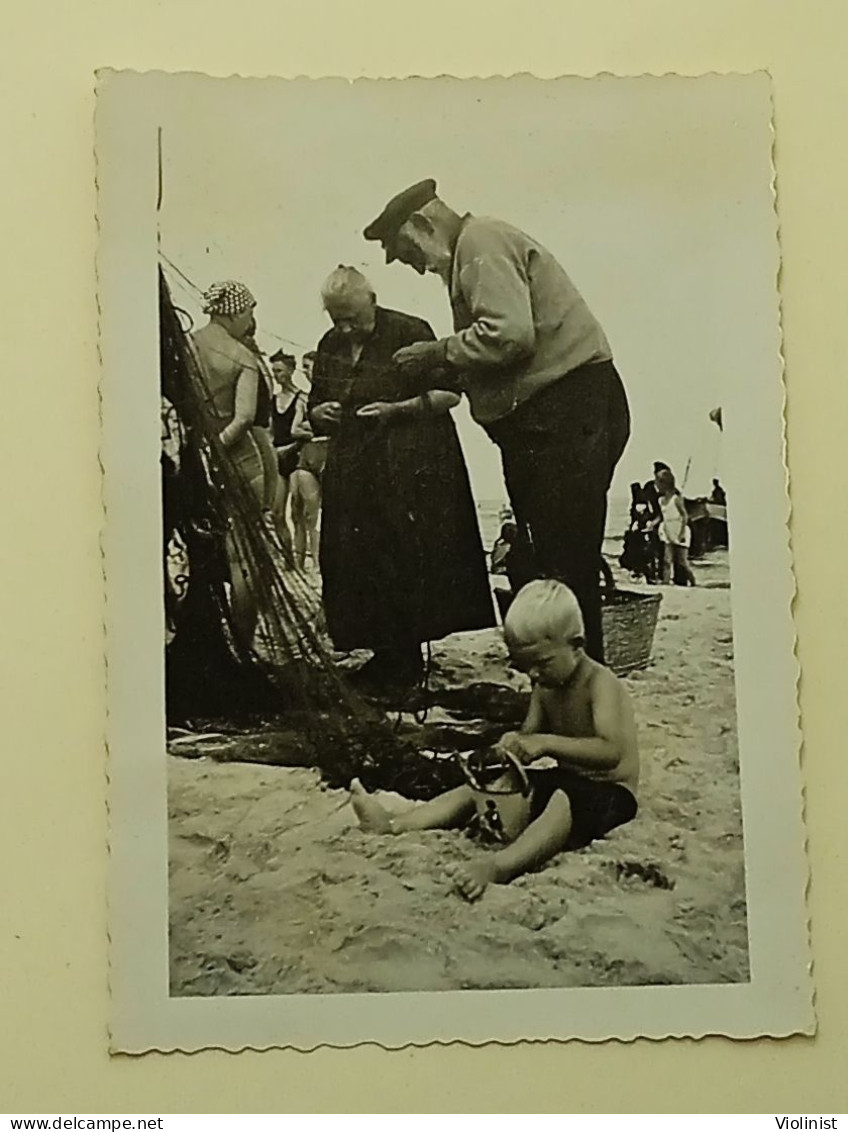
[(327, 416), (380, 411), (419, 357)]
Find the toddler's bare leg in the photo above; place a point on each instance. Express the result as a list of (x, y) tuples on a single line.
[(372, 816), (444, 812), (541, 840)]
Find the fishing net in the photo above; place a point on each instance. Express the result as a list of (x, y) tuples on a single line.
[(287, 675)]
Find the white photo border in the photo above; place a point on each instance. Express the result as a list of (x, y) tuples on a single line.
[(778, 1000)]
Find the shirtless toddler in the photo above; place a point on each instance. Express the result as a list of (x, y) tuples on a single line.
[(580, 717)]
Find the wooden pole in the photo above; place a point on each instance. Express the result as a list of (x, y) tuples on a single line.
[(159, 189), (686, 473)]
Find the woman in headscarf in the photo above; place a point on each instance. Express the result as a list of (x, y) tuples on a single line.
[(238, 404), (400, 552)]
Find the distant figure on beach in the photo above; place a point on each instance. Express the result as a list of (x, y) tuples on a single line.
[(717, 524), (401, 557), (509, 560), (580, 715), (306, 485), (718, 496), (503, 547), (639, 554), (289, 432), (674, 531), (538, 372), (650, 493)]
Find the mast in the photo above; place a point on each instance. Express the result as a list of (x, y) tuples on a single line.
[(159, 189), (686, 474)]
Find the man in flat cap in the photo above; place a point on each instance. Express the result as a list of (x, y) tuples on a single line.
[(538, 371)]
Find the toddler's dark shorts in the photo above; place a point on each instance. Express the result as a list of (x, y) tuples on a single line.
[(596, 807)]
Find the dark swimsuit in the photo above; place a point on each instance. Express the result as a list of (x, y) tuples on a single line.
[(262, 416), (596, 807), (282, 423)]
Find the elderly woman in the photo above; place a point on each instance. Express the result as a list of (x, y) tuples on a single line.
[(238, 404), (401, 557)]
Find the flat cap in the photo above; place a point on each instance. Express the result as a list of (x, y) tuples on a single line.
[(398, 211)]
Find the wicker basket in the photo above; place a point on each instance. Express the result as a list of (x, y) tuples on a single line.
[(629, 623)]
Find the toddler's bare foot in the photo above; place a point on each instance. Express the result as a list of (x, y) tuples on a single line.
[(473, 878), (368, 810)]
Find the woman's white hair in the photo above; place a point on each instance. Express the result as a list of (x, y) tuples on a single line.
[(344, 282)]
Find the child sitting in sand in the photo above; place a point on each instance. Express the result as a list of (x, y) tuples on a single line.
[(580, 715)]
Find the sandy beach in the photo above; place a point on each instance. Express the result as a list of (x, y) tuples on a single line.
[(274, 889)]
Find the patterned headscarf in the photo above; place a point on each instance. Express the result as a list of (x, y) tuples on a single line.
[(228, 298)]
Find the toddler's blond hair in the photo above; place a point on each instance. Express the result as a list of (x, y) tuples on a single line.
[(544, 609)]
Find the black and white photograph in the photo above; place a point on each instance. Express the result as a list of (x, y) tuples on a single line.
[(451, 661)]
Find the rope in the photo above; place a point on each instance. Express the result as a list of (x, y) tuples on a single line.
[(420, 716)]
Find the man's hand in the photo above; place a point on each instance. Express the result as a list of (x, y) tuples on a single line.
[(380, 411), (526, 748), (326, 416), (419, 357)]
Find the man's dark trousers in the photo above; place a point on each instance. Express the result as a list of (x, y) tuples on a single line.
[(559, 450)]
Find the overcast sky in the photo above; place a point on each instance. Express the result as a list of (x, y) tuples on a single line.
[(647, 191)]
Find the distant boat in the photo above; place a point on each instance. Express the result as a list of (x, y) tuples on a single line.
[(708, 524)]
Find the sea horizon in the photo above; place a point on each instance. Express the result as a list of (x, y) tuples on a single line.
[(618, 515)]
